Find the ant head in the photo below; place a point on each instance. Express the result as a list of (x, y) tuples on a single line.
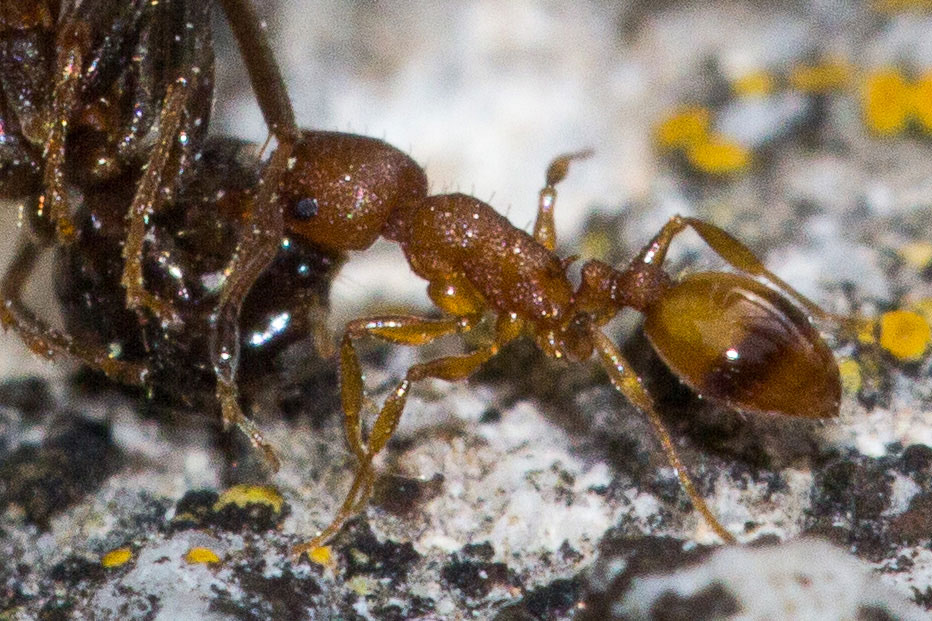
[(740, 343), (340, 189)]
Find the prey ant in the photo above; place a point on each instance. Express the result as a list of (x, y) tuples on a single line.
[(738, 342)]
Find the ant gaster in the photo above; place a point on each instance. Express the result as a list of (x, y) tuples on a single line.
[(734, 340)]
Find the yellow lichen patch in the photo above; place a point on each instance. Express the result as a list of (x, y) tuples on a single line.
[(115, 558), (887, 102), (905, 334), (244, 495), (850, 372), (322, 555), (822, 77), (686, 126), (917, 254), (719, 156), (201, 556), (754, 84), (922, 101)]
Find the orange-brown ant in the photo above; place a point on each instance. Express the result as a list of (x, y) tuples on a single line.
[(735, 340)]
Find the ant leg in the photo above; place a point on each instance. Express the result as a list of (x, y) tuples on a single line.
[(46, 341), (264, 231), (628, 383), (254, 252), (401, 330), (732, 251), (264, 73), (72, 43), (146, 202), (545, 231)]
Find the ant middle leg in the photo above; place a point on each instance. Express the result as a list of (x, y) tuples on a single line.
[(626, 381), (545, 232)]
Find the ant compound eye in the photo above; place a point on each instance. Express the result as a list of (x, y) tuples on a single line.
[(306, 208), (740, 343)]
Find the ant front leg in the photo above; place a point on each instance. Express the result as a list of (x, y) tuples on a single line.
[(626, 382), (264, 230), (46, 341), (400, 330)]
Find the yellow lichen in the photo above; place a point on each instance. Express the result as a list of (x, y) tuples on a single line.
[(201, 556), (922, 102), (244, 495), (115, 558), (822, 77), (687, 126), (905, 334), (719, 156), (322, 555), (887, 102), (754, 84), (850, 372)]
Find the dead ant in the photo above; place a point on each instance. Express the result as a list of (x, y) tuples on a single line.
[(733, 339), (99, 96)]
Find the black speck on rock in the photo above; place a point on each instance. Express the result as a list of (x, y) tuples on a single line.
[(75, 569), (198, 509), (28, 395), (620, 560), (366, 555), (401, 495), (545, 603), (849, 495), (708, 604), (194, 509), (916, 462), (875, 613), (915, 523), (45, 480), (282, 596), (415, 608), (475, 578)]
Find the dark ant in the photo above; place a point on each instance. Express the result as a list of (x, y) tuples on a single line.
[(733, 339), (105, 105)]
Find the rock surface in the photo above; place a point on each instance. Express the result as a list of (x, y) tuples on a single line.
[(534, 491)]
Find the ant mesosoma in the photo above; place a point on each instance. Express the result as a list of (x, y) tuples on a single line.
[(734, 340)]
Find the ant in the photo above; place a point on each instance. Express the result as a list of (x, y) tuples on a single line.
[(736, 341)]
